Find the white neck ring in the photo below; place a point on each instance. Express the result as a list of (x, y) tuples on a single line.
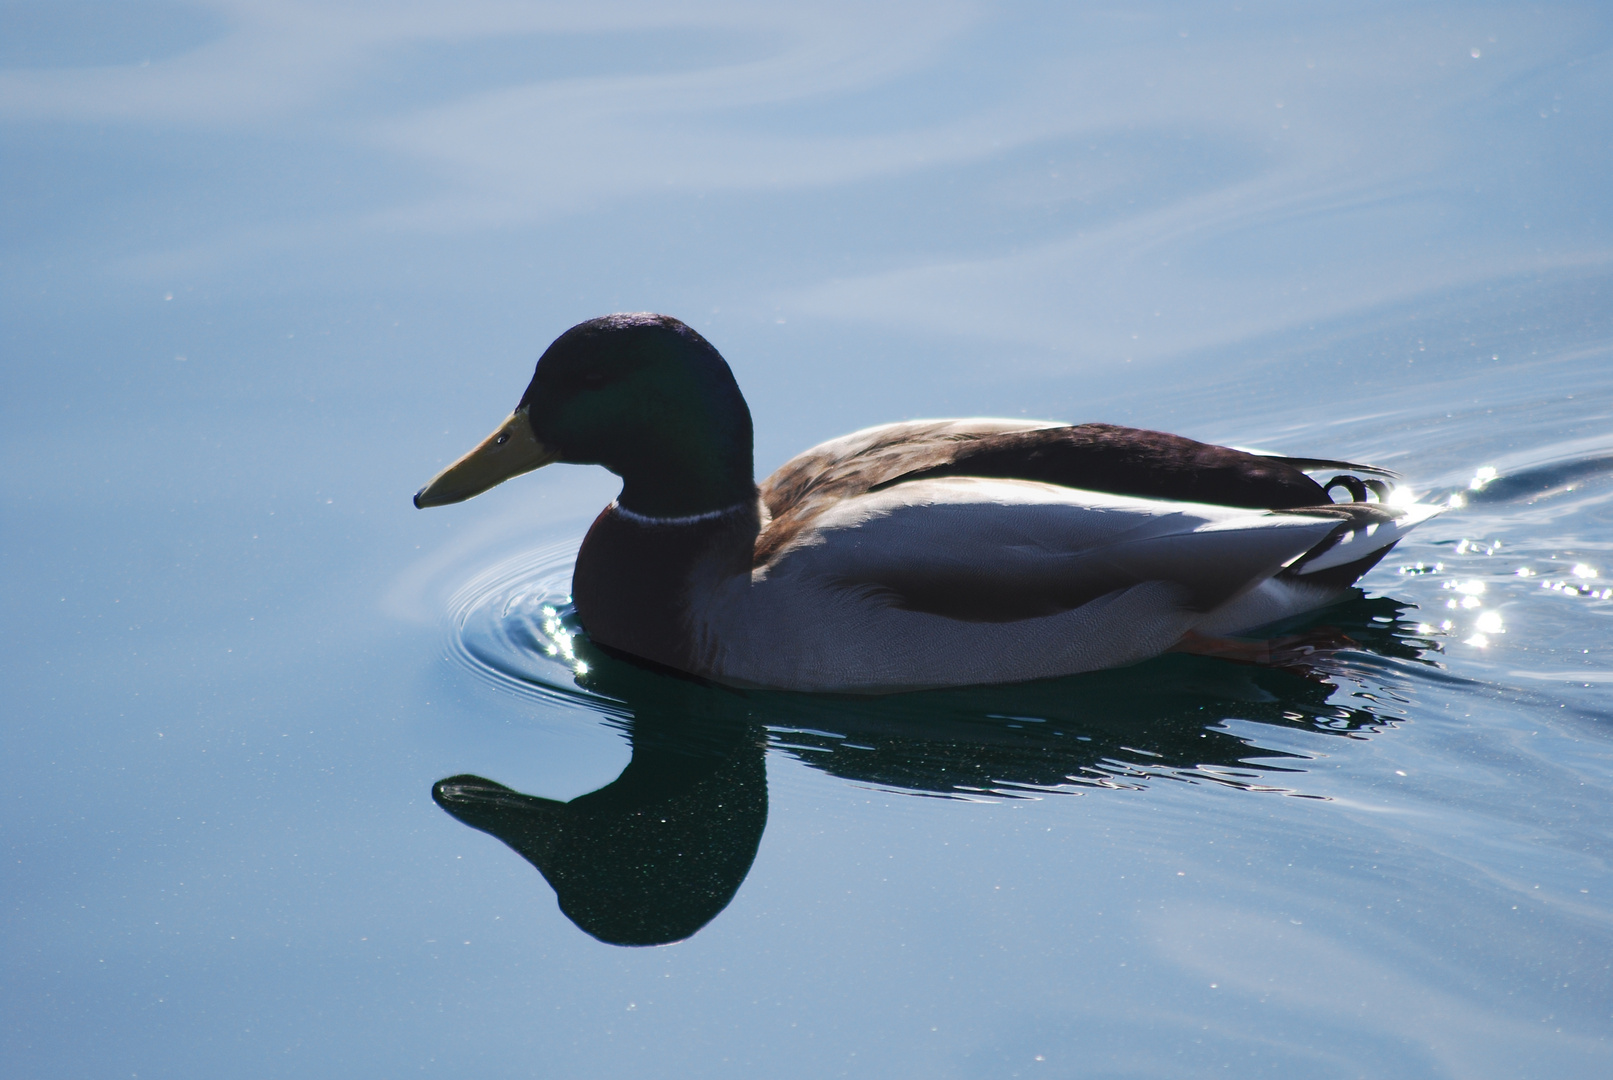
[(687, 519)]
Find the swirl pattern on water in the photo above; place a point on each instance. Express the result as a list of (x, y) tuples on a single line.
[(512, 626)]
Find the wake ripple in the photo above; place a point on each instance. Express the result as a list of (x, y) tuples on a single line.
[(514, 626)]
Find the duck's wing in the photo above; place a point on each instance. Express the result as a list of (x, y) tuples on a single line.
[(818, 479), (1132, 461), (852, 464), (986, 550), (1090, 457)]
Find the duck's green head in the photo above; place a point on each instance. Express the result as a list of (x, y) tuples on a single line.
[(643, 395)]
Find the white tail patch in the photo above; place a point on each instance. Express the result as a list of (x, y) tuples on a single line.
[(1359, 543)]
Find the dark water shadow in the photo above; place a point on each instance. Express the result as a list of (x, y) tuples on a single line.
[(658, 853)]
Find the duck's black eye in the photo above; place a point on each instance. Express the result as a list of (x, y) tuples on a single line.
[(503, 437)]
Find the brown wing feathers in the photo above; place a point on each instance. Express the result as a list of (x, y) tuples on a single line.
[(810, 483), (1094, 457), (1132, 461)]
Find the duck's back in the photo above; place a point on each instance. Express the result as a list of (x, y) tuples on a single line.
[(1090, 457)]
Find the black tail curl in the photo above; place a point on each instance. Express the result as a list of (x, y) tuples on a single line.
[(1358, 487)]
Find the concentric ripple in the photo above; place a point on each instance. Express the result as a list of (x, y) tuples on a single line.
[(514, 625)]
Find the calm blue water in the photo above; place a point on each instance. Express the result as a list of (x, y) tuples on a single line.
[(267, 266)]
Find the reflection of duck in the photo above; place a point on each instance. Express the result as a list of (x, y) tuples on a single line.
[(929, 553), (654, 855), (659, 852), (1165, 719)]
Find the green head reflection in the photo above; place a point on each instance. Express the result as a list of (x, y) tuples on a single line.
[(654, 855)]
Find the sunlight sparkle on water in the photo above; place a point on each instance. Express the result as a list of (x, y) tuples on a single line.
[(1488, 622), (562, 642), (1403, 496)]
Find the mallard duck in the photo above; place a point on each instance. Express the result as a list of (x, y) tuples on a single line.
[(927, 553)]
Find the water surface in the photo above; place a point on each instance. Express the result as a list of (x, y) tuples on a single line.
[(269, 266)]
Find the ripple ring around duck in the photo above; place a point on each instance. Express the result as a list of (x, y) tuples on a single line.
[(513, 626)]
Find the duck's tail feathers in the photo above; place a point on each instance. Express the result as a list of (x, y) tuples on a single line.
[(1309, 464), (1365, 534)]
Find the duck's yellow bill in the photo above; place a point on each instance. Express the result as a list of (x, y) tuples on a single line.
[(510, 451)]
